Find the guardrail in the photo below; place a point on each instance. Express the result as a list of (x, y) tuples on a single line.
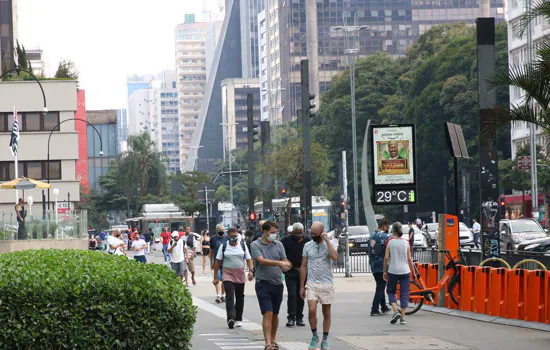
[(70, 226)]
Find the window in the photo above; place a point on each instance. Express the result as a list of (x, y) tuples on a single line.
[(37, 170), (30, 121), (34, 170)]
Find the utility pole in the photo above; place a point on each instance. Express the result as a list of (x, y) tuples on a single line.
[(532, 127), (250, 139), (307, 106), (206, 190), (266, 178), (230, 159), (346, 217)]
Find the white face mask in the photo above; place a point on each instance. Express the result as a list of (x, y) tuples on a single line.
[(272, 237)]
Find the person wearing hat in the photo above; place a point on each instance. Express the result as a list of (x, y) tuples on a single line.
[(179, 256)]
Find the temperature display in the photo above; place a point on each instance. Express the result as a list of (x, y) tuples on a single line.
[(398, 196)]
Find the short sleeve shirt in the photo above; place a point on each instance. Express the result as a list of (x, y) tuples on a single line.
[(233, 262), (273, 251), (319, 265), (216, 242), (140, 246)]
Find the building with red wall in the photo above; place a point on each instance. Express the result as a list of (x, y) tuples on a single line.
[(81, 128)]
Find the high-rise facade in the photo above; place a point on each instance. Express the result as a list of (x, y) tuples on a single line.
[(105, 122), (139, 112), (122, 129), (393, 26), (191, 79), (36, 60), (8, 33), (518, 56), (249, 11)]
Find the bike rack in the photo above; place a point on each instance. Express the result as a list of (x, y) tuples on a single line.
[(530, 261), (496, 259)]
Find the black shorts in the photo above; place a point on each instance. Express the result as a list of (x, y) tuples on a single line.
[(270, 296)]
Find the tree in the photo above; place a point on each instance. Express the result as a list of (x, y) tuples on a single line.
[(188, 201), (66, 70), (22, 60), (222, 194)]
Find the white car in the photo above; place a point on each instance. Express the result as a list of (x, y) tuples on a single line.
[(419, 238)]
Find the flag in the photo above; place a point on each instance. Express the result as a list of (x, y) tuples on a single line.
[(14, 139)]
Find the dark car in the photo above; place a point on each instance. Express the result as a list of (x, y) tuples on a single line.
[(515, 232), (541, 245), (359, 237)]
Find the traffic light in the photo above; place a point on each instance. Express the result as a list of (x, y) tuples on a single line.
[(311, 105), (283, 193), (256, 131), (252, 216)]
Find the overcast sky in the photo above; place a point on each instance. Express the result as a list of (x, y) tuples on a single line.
[(106, 39)]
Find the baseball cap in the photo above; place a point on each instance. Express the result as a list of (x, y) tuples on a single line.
[(175, 234)]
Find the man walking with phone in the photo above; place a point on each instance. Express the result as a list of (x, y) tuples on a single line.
[(317, 260)]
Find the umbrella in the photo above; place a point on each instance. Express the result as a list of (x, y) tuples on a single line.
[(24, 183)]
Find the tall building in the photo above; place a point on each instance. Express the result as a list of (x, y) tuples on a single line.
[(139, 112), (250, 9), (36, 60), (35, 128), (165, 126), (393, 28), (517, 56), (122, 129), (139, 82), (8, 33), (206, 147), (191, 75), (105, 121), (234, 111)]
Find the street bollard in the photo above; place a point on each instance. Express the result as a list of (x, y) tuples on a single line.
[(348, 262)]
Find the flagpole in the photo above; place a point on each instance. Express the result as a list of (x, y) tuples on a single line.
[(15, 155)]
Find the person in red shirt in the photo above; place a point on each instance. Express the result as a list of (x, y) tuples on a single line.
[(165, 238)]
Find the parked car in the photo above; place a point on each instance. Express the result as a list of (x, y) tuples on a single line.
[(420, 240), (359, 237), (541, 245), (465, 236), (432, 230), (514, 232)]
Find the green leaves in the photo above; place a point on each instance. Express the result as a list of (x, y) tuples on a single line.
[(69, 299)]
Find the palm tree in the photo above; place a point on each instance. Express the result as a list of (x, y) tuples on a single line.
[(532, 77)]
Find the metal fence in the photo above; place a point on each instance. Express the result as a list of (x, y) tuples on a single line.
[(73, 225), (359, 262), (473, 257)]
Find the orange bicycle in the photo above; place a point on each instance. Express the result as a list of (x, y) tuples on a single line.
[(419, 292)]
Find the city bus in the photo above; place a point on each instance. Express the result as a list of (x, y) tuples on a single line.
[(158, 216)]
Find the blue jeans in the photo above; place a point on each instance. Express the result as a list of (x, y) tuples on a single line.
[(167, 256), (141, 259), (391, 289)]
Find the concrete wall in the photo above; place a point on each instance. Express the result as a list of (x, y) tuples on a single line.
[(12, 246)]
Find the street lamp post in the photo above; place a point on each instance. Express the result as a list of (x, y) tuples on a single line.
[(351, 34), (230, 156), (49, 139), (55, 194)]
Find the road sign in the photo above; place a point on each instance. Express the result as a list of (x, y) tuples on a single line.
[(524, 162)]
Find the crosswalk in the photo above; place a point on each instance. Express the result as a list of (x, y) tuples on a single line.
[(231, 341)]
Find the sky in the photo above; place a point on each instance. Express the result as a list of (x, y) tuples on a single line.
[(107, 40)]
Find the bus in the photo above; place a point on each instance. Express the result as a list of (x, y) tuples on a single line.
[(321, 210), (158, 216)]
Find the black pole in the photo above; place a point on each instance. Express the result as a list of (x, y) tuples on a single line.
[(303, 192), (250, 132), (445, 195), (457, 189), (266, 179), (49, 139), (306, 114), (43, 205), (488, 162)]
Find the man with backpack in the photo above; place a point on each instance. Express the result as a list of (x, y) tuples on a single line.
[(377, 250), (232, 256)]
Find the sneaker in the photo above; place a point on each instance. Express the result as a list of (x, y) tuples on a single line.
[(231, 324), (396, 316), (386, 311), (218, 299), (376, 313), (325, 346), (223, 299), (314, 343), (290, 323), (239, 324), (403, 322), (300, 323)]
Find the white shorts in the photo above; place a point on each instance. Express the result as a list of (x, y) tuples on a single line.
[(320, 292)]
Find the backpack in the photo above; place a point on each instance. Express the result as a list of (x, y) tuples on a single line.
[(376, 248), (224, 247)]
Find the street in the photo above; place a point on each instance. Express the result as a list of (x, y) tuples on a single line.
[(352, 326)]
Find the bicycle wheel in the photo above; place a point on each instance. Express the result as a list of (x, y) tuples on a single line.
[(414, 303), (453, 291)]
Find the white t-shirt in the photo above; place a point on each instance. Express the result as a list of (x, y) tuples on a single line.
[(113, 241), (334, 242), (140, 245), (399, 262), (178, 253), (476, 227)]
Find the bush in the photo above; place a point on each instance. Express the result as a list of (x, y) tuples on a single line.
[(72, 299)]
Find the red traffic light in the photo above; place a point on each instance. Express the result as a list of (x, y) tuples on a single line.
[(343, 203), (283, 191), (252, 216), (502, 203)]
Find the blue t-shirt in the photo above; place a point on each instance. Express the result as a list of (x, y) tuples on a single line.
[(378, 246), (215, 243)]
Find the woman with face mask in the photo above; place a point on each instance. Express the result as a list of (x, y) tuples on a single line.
[(215, 243)]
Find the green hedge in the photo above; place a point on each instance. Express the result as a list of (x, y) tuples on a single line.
[(72, 299)]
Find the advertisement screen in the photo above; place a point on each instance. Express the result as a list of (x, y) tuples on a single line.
[(393, 155)]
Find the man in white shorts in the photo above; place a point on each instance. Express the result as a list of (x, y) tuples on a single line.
[(317, 267)]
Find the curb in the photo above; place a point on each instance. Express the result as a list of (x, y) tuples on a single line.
[(487, 318)]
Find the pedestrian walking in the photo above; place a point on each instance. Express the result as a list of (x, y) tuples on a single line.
[(215, 243), (317, 260), (139, 247), (270, 259), (150, 240), (294, 246), (377, 252), (165, 240), (205, 245), (476, 227), (231, 259), (397, 269), (192, 251), (115, 245), (179, 256)]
